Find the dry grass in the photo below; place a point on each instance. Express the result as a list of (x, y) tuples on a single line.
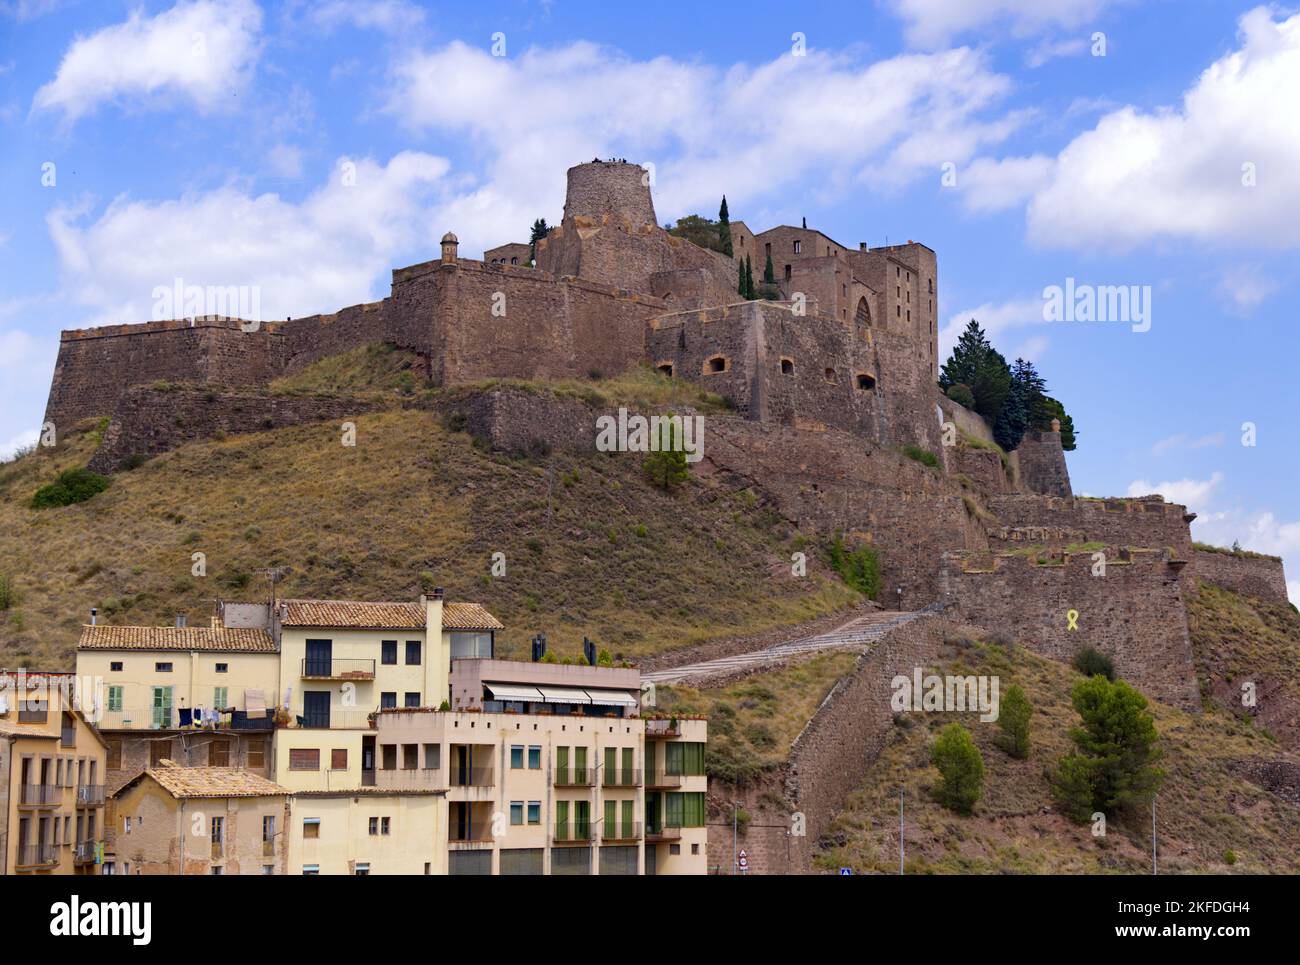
[(1204, 810), (590, 547)]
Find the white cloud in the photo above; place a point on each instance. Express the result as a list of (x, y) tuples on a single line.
[(1192, 493), (1047, 50), (752, 131), (25, 10), (202, 52), (933, 23), (387, 16), (1245, 287), (1182, 441), (285, 160), (1260, 532), (994, 185), (333, 249), (1178, 172), (999, 320), (21, 441)]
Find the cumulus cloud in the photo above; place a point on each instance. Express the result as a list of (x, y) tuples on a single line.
[(748, 130), (1183, 441), (1048, 50), (387, 16), (1001, 321), (200, 52), (988, 185), (933, 23), (1192, 493), (1220, 167), (1245, 287), (333, 249)]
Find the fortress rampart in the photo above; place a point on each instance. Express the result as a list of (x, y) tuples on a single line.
[(1132, 612), (1250, 575)]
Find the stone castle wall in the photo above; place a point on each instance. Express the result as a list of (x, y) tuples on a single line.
[(1042, 464), (1134, 613), (1258, 576), (1148, 522)]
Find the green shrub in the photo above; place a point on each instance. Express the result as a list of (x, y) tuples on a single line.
[(961, 769), (1091, 662), (923, 456), (71, 486), (1116, 751), (8, 592), (666, 468), (1229, 857), (1013, 717), (859, 568), (962, 395)]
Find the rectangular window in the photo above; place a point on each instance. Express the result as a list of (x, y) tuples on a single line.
[(219, 695), (534, 812), (339, 759), (516, 812), (115, 666), (257, 753), (388, 700), (304, 759), (310, 829), (516, 756), (384, 824), (115, 698), (410, 756), (412, 652), (388, 757), (218, 827), (162, 667), (223, 668), (311, 869), (534, 758), (159, 751), (411, 699), (388, 652), (268, 829), (432, 756), (219, 753), (374, 827)]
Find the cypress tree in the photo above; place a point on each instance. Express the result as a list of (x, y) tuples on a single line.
[(750, 292), (724, 229), (740, 275), (769, 273)]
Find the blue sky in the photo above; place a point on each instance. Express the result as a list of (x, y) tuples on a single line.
[(1115, 142)]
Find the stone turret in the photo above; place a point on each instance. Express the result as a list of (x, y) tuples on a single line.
[(613, 190), (449, 245)]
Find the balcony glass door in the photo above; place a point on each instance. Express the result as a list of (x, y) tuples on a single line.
[(162, 707), (319, 657), (316, 708)]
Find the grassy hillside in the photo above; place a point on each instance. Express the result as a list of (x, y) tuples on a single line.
[(1209, 818), (590, 547), (1241, 639)]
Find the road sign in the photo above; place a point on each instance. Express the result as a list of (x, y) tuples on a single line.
[(742, 861), (846, 871)]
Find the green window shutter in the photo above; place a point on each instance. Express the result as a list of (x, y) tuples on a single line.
[(676, 809), (581, 819), (115, 698), (562, 766), (693, 759), (627, 766), (611, 819), (611, 765), (674, 758), (580, 763), (219, 697), (627, 817), (562, 820), (693, 810)]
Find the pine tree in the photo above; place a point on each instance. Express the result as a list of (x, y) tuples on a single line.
[(961, 768), (1057, 411), (539, 231), (724, 229), (976, 364), (1033, 391), (1013, 717)]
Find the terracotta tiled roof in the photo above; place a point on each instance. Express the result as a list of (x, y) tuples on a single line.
[(241, 640), (349, 613), (186, 782), (469, 616), (384, 616)]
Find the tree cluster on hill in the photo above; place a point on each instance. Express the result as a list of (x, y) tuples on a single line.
[(1012, 398), (705, 232)]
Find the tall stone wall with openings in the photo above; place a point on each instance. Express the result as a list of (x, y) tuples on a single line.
[(1247, 574)]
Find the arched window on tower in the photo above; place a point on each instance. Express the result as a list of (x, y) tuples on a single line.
[(863, 316)]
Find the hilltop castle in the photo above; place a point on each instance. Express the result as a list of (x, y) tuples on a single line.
[(833, 381)]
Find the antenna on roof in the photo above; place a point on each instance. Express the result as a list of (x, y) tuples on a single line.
[(274, 575)]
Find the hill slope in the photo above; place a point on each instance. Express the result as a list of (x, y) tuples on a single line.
[(1209, 817), (590, 546)]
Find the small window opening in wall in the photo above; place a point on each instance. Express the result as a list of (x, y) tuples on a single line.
[(716, 364), (667, 369), (787, 272), (798, 247), (866, 382), (830, 375), (787, 367)]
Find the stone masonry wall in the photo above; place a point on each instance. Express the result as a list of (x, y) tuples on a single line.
[(1042, 464), (149, 421), (1258, 576), (1148, 522), (1134, 613)]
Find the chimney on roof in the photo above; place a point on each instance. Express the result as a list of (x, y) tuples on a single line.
[(862, 246), (437, 593), (180, 620), (94, 615)]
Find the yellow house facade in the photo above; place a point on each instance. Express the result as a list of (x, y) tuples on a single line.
[(367, 831), (52, 766)]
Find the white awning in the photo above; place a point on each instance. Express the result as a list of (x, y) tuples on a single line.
[(514, 692), (564, 695), (613, 698)]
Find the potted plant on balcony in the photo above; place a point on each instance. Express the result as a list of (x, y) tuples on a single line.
[(373, 717)]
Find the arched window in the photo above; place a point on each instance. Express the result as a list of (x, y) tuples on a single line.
[(830, 375), (865, 382), (666, 368), (787, 366), (863, 316)]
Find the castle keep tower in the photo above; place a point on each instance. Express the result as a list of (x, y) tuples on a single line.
[(609, 192)]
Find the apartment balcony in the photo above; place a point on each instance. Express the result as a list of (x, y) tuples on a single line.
[(462, 839), (662, 729), (37, 856), (341, 668), (40, 796), (335, 720), (573, 777), (471, 777), (83, 853), (620, 832), (170, 718), (571, 834), (659, 781), (662, 832), (90, 795), (618, 779)]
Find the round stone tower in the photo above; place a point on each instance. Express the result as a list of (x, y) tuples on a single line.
[(615, 189)]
